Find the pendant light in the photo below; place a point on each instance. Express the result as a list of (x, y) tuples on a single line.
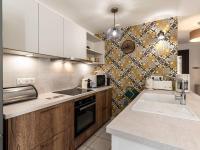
[(114, 33)]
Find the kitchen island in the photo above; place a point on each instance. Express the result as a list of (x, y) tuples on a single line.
[(155, 121)]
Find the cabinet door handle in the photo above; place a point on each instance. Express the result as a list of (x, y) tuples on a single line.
[(85, 107), (49, 142), (48, 109)]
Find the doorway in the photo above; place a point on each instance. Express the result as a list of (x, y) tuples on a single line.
[(185, 61)]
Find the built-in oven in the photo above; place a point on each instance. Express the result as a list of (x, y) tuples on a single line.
[(85, 114)]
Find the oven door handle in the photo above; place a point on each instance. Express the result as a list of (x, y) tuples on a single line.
[(85, 107)]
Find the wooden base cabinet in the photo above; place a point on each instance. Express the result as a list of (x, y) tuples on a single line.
[(104, 107), (42, 129), (103, 114), (52, 128), (56, 143), (21, 132)]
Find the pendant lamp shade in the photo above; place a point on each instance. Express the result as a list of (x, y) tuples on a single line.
[(114, 33)]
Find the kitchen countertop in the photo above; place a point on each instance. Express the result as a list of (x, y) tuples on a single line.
[(17, 109), (159, 131)]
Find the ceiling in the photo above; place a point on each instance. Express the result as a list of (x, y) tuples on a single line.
[(95, 15), (187, 24)]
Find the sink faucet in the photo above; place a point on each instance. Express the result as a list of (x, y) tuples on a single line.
[(182, 96)]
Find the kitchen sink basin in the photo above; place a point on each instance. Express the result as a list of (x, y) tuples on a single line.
[(164, 104), (161, 98)]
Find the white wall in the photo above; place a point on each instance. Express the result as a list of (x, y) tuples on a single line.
[(50, 76), (194, 52)]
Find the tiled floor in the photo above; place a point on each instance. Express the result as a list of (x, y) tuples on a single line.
[(99, 141)]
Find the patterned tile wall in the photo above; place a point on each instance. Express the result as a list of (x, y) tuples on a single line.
[(151, 56)]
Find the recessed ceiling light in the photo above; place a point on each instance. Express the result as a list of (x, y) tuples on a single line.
[(195, 35)]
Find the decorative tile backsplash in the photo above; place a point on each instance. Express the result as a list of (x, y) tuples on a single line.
[(151, 56)]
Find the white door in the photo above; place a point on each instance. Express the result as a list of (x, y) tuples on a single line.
[(50, 32), (20, 25), (74, 40)]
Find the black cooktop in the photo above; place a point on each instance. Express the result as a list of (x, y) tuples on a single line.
[(74, 91)]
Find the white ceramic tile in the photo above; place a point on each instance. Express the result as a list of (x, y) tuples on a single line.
[(100, 131), (82, 148), (90, 140), (101, 144), (85, 148), (105, 136), (90, 148)]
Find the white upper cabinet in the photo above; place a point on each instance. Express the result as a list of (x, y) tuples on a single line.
[(20, 25), (50, 32), (74, 40)]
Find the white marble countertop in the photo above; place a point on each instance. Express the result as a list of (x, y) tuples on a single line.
[(14, 110), (159, 131)]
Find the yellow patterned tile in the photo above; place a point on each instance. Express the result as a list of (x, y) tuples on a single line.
[(163, 25), (126, 61), (125, 82), (173, 39), (173, 64), (136, 30), (157, 52)]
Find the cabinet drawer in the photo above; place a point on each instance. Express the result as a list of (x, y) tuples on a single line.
[(51, 121), (58, 142), (42, 129), (20, 132)]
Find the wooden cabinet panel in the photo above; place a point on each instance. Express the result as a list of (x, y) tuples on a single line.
[(99, 108), (58, 142), (20, 25), (108, 104), (42, 129), (50, 32), (50, 122), (104, 107), (54, 120), (21, 132)]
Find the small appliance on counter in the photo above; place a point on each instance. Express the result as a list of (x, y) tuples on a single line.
[(180, 78), (19, 93), (162, 85), (157, 83), (149, 84), (96, 81)]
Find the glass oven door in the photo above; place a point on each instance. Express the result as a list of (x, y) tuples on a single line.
[(85, 116)]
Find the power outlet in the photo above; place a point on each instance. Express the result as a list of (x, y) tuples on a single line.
[(25, 81)]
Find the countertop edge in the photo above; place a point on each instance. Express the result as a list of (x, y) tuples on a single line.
[(142, 140), (7, 115)]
